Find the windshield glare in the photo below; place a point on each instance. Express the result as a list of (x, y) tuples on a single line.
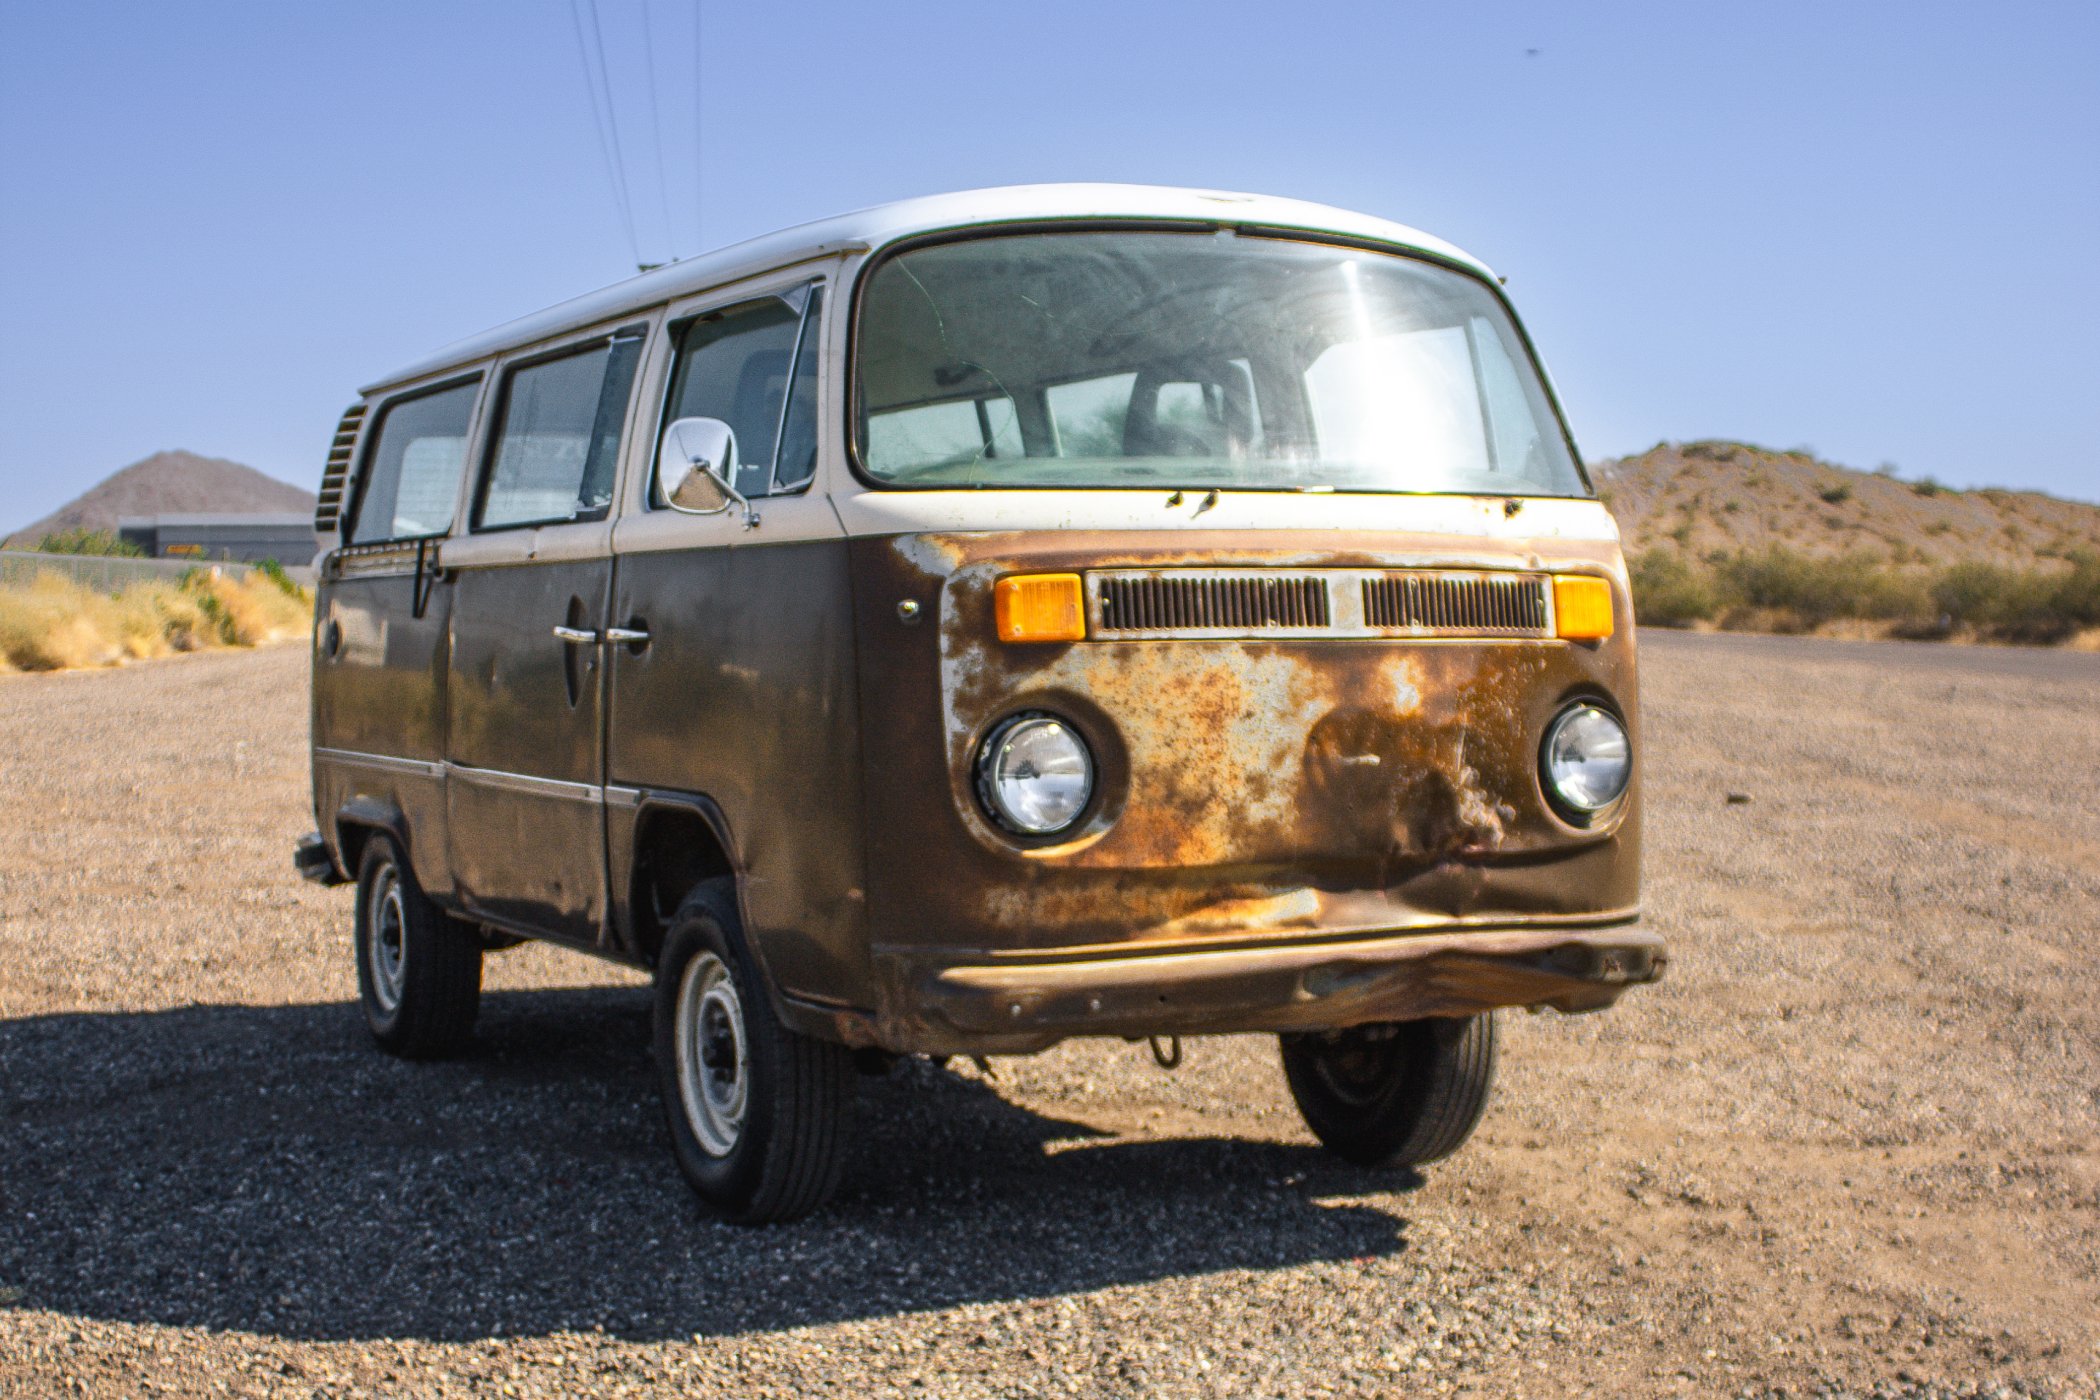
[(1195, 360)]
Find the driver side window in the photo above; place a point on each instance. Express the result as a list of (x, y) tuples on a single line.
[(754, 367)]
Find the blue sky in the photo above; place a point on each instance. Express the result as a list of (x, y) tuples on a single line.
[(1871, 230)]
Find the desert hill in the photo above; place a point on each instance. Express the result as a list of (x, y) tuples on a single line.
[(169, 483), (1699, 497), (1724, 534)]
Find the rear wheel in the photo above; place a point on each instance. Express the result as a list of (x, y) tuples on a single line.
[(418, 968), (758, 1114), (1399, 1094)]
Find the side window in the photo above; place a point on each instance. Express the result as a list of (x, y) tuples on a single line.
[(557, 438), (1089, 414), (738, 365), (412, 472), (953, 433), (798, 434)]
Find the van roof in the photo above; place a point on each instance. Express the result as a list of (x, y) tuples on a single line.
[(872, 228)]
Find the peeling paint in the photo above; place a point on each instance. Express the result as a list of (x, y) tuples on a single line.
[(1247, 788)]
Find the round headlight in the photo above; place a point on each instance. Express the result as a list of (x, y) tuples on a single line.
[(1588, 759), (1035, 775)]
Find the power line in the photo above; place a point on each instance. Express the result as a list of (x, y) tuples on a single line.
[(656, 132), (700, 87), (607, 133), (612, 125)]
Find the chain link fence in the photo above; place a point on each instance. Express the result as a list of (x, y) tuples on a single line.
[(103, 572)]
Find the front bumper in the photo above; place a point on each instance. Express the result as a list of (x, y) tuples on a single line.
[(934, 1005)]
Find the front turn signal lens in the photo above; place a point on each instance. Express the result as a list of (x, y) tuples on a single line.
[(1040, 608), (1581, 607)]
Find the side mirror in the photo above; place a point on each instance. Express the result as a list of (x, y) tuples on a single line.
[(696, 466)]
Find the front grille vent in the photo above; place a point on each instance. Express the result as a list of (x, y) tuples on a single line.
[(1474, 604), (1213, 602), (328, 510)]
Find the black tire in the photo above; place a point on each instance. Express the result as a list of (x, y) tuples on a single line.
[(418, 968), (1396, 1095), (759, 1115)]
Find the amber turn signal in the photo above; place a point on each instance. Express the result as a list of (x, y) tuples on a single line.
[(1040, 608), (1581, 607)]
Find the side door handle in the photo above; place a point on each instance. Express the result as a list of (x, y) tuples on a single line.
[(634, 636), (579, 636)]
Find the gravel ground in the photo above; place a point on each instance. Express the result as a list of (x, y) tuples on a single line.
[(1848, 1147)]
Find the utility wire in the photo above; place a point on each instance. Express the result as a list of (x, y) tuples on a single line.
[(700, 87), (656, 131), (607, 133), (612, 123)]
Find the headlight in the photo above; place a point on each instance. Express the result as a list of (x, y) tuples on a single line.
[(1587, 758), (1035, 775)]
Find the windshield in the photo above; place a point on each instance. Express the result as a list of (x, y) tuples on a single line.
[(1161, 359)]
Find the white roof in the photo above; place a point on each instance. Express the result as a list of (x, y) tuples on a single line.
[(886, 223)]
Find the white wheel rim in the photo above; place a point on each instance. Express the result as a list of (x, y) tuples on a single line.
[(386, 940), (713, 1080)]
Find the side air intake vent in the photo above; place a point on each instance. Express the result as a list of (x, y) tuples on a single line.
[(1191, 602), (1480, 605), (328, 512)]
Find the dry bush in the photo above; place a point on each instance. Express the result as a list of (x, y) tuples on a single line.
[(54, 623), (1779, 590), (273, 609)]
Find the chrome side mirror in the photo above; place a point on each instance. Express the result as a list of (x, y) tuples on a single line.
[(696, 469)]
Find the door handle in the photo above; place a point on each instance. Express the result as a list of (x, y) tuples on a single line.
[(633, 636), (576, 635)]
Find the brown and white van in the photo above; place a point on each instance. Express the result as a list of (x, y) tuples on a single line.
[(984, 620)]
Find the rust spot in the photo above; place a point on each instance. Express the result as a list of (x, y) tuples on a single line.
[(1249, 787)]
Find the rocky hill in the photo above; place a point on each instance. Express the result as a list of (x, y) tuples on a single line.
[(1699, 497), (169, 483)]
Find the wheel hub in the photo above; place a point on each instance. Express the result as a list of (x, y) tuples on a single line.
[(387, 940), (712, 1063)]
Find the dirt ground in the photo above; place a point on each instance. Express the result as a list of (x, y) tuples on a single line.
[(1851, 1144)]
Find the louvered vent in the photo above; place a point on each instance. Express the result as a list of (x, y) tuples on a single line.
[(1487, 605), (1250, 602), (328, 512)]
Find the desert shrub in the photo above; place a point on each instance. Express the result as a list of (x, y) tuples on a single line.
[(274, 572), (1671, 591), (2078, 593), (2020, 605), (1814, 590), (53, 623), (81, 540), (1836, 495), (1927, 486), (255, 610)]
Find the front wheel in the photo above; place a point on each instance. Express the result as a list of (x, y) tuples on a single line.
[(758, 1114), (1399, 1094)]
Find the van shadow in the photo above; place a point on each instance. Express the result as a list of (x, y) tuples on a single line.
[(266, 1169)]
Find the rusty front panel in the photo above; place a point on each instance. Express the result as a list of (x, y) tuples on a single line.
[(1249, 791)]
